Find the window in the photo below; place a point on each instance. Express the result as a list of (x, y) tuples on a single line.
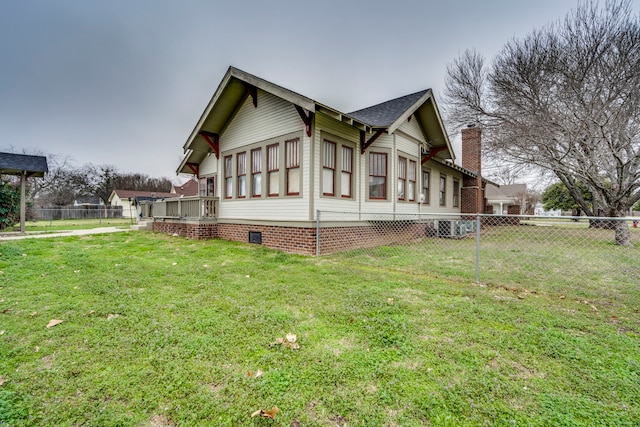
[(402, 177), (411, 186), (241, 170), (426, 176), (273, 171), (207, 186), (443, 190), (347, 171), (292, 157), (228, 177), (456, 193), (377, 175), (328, 168), (256, 172)]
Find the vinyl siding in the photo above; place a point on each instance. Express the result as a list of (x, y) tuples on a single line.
[(209, 165), (329, 127), (413, 129), (277, 120)]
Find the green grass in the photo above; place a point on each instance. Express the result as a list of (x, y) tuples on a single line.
[(162, 331), (77, 224)]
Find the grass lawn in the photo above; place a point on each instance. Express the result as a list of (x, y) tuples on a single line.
[(77, 224), (164, 331)]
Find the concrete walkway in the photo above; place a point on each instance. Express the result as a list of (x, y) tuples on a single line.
[(101, 230)]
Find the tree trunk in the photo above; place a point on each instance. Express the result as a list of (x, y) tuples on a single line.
[(623, 235)]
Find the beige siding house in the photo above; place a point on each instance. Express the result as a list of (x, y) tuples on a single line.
[(267, 159)]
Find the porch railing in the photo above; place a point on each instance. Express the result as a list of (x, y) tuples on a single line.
[(197, 207)]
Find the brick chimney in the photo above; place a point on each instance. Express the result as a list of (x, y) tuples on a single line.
[(472, 192)]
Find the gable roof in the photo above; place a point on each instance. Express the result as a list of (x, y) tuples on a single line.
[(15, 164), (189, 188), (125, 194), (505, 193), (237, 85), (386, 113)]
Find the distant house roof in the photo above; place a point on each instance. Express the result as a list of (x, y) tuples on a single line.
[(189, 188), (133, 194), (15, 164), (506, 193), (386, 113)]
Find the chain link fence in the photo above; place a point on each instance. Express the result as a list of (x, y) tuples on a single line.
[(519, 251), (75, 212)]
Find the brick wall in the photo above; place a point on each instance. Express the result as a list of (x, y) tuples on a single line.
[(472, 192), (301, 240)]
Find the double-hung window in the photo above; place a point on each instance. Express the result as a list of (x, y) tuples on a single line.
[(256, 172), (443, 190), (328, 168), (426, 176), (292, 157), (377, 175), (347, 171), (241, 168), (228, 177), (456, 193), (273, 170), (402, 178), (411, 183)]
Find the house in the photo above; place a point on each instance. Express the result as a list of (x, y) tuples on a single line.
[(268, 159), (130, 200), (506, 199), (189, 188)]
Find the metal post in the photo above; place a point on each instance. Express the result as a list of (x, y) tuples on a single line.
[(317, 233), (478, 222), (23, 202)]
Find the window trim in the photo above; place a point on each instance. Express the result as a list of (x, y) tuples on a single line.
[(332, 167), (241, 171), (295, 150), (427, 196), (386, 154), (456, 194), (341, 145), (255, 172), (280, 167), (228, 176), (443, 190)]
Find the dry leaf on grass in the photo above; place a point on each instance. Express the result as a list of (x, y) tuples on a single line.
[(256, 374), (112, 316), (267, 414), (54, 322), (3, 379), (34, 314), (290, 341)]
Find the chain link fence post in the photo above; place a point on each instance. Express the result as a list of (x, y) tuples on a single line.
[(478, 225)]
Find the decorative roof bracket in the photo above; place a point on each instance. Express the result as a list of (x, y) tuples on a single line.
[(195, 168), (432, 153), (213, 139), (364, 144), (253, 91), (306, 117)]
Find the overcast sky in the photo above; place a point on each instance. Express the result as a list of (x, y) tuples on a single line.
[(124, 82)]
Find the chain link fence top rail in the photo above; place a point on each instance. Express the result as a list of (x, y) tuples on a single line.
[(554, 254)]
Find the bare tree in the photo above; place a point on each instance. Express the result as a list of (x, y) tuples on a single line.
[(566, 98)]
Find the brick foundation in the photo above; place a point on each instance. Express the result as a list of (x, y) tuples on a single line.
[(301, 240)]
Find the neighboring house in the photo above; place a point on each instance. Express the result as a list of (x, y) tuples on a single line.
[(189, 188), (130, 200), (271, 158), (88, 200), (506, 199), (539, 210)]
